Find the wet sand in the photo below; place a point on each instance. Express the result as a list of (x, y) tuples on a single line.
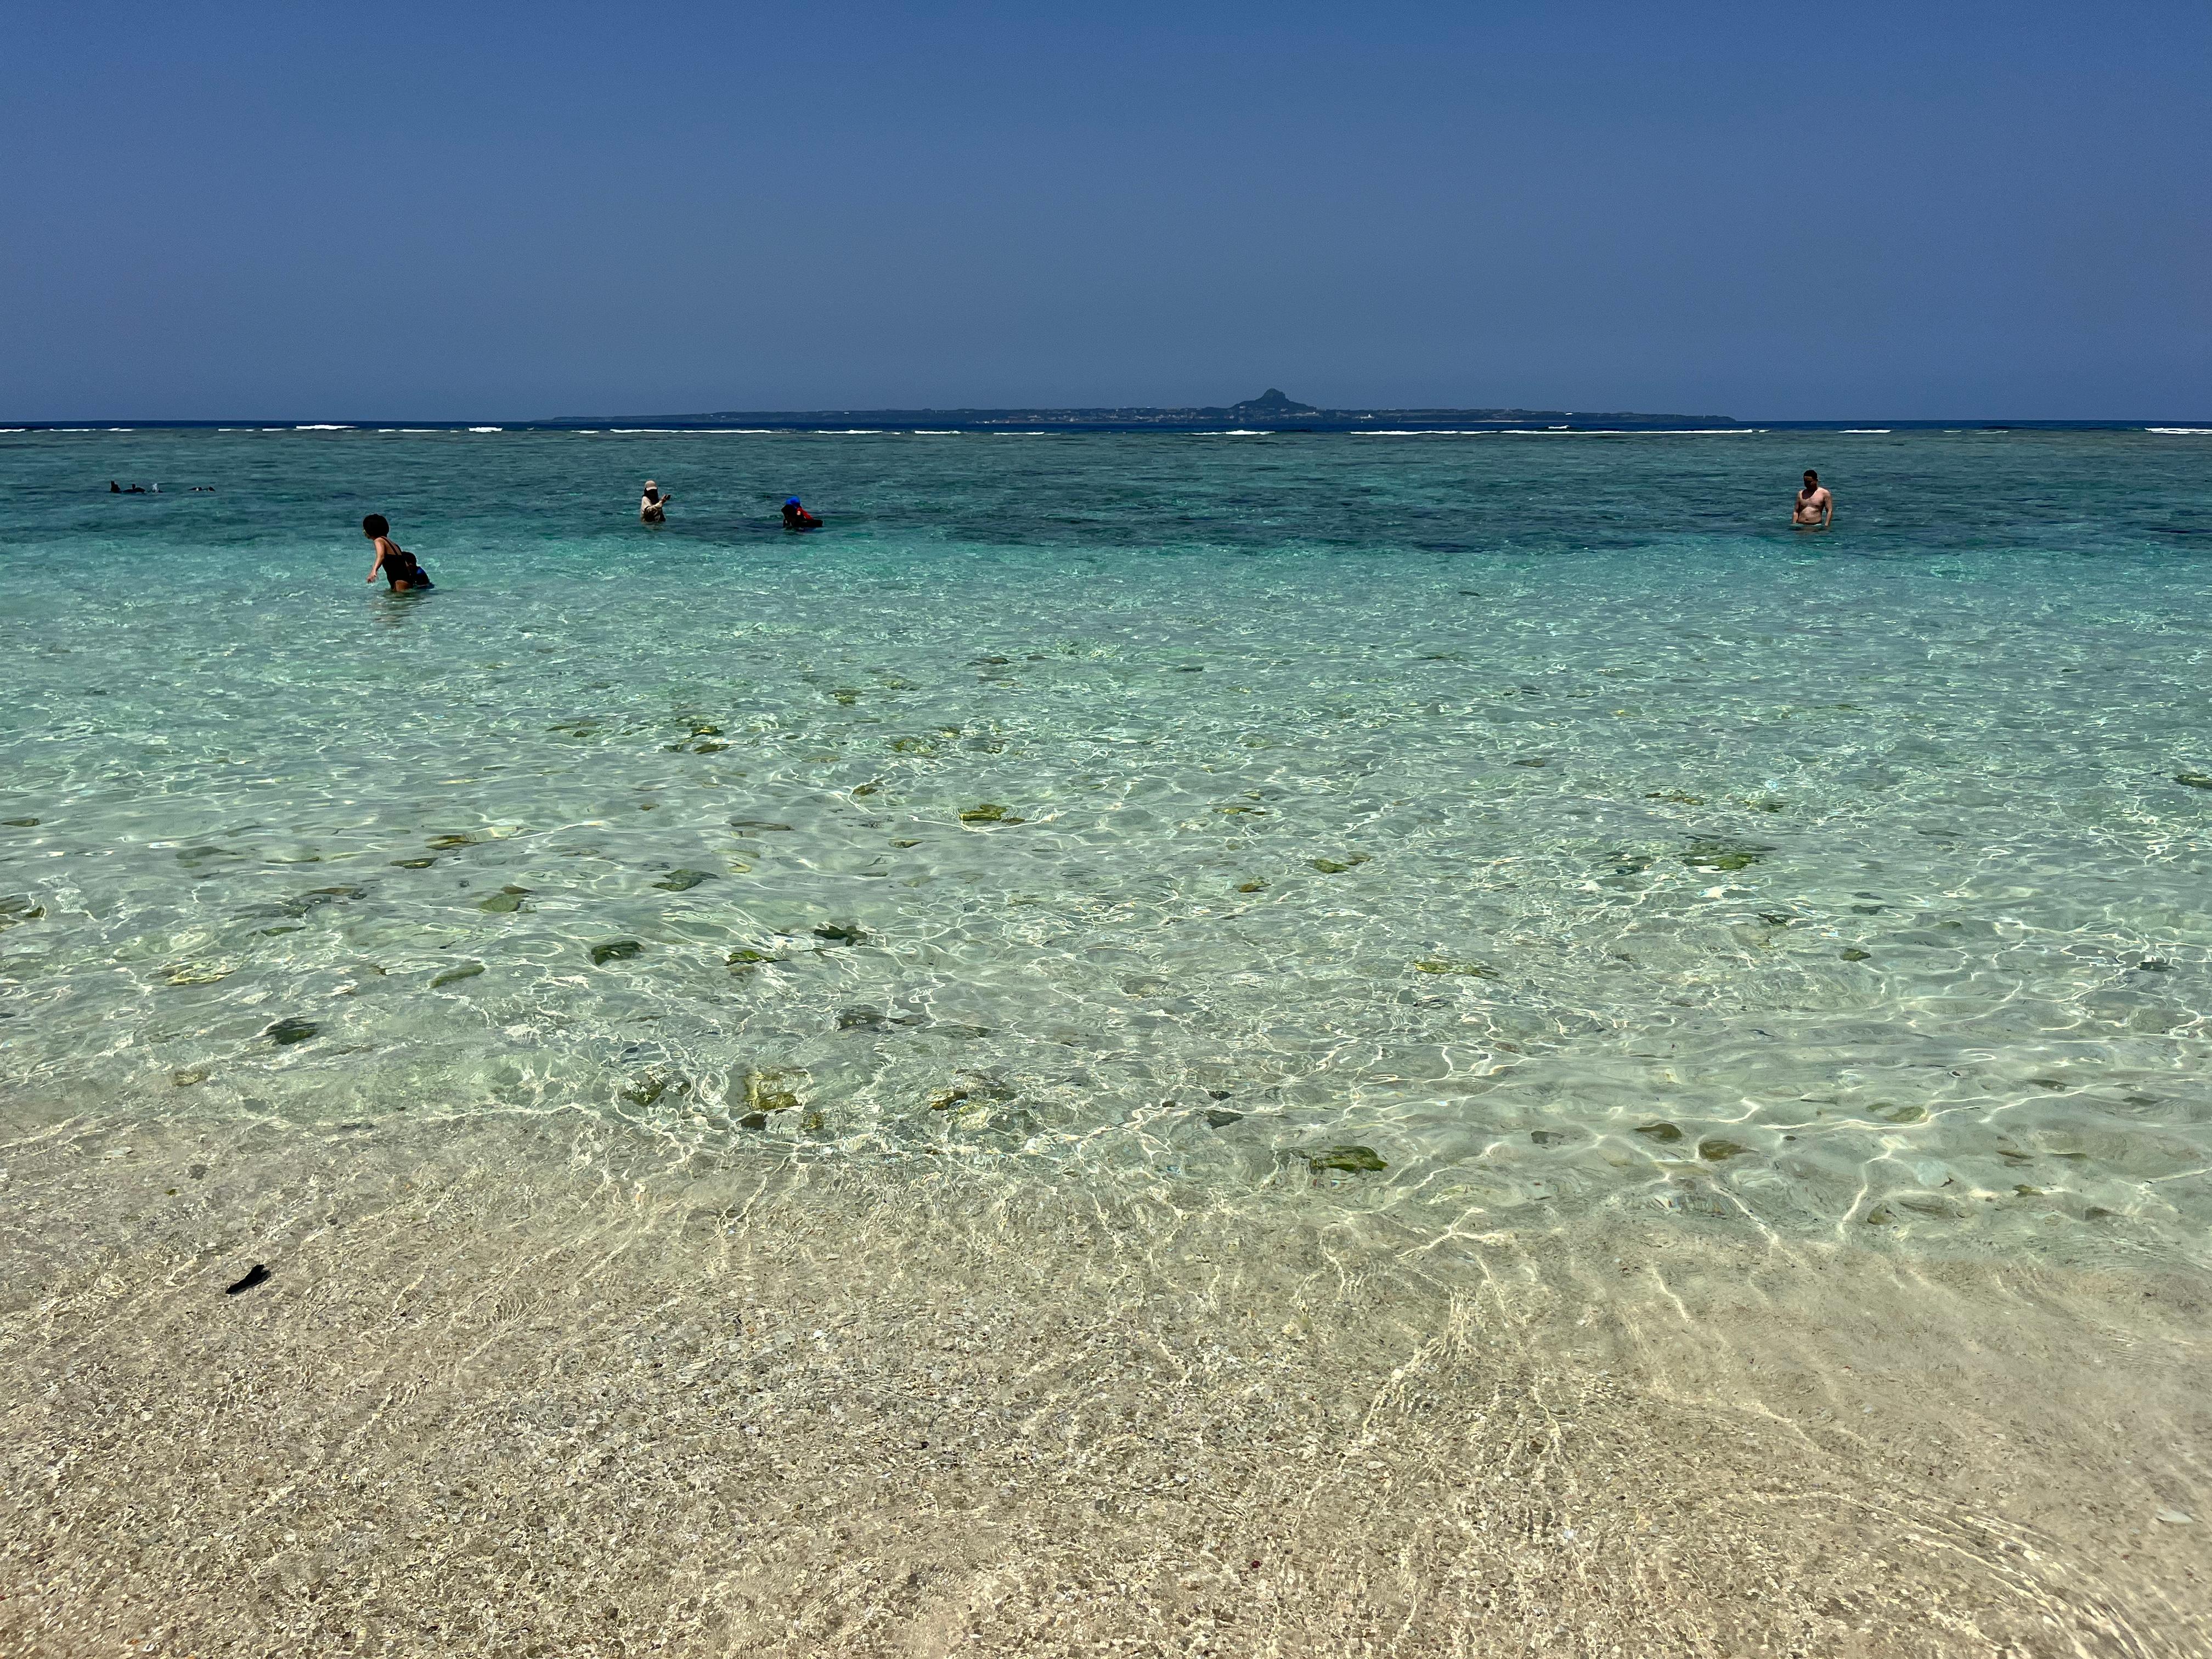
[(528, 1386)]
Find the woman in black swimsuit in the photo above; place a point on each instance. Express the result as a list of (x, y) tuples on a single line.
[(393, 562)]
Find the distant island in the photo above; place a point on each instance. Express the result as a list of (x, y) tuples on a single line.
[(1271, 411)]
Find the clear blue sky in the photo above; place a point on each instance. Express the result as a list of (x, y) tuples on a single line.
[(508, 211)]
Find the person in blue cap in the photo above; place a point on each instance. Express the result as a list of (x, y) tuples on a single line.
[(796, 517)]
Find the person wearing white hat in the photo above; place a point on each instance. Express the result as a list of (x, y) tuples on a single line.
[(650, 509)]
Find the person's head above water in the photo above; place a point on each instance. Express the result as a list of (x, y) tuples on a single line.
[(1811, 478), (791, 501), (375, 524), (651, 489)]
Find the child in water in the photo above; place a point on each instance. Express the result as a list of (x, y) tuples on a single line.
[(394, 563)]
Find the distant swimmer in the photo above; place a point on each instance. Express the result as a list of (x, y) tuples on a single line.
[(652, 507), (113, 487), (1816, 508), (796, 517), (393, 562)]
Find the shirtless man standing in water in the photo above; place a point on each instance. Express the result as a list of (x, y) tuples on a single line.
[(1816, 508)]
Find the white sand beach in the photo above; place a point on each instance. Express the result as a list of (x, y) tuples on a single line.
[(518, 1386)]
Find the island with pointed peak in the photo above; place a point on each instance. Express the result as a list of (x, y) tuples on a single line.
[(1271, 411)]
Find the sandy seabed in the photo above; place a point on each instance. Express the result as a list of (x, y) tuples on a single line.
[(521, 1387)]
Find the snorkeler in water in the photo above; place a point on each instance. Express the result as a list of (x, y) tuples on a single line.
[(393, 562), (796, 517)]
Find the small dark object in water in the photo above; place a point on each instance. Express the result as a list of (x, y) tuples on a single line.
[(871, 1020), (1218, 1119), (256, 1274), (1442, 965), (614, 950), (1351, 1160), (1707, 852), (1338, 866), (2195, 780), (840, 933), (290, 1030)]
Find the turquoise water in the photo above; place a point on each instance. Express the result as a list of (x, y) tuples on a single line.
[(1540, 814)]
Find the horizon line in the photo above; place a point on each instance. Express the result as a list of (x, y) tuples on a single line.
[(1105, 413)]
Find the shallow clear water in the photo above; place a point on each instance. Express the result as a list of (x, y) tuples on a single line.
[(1539, 813)]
